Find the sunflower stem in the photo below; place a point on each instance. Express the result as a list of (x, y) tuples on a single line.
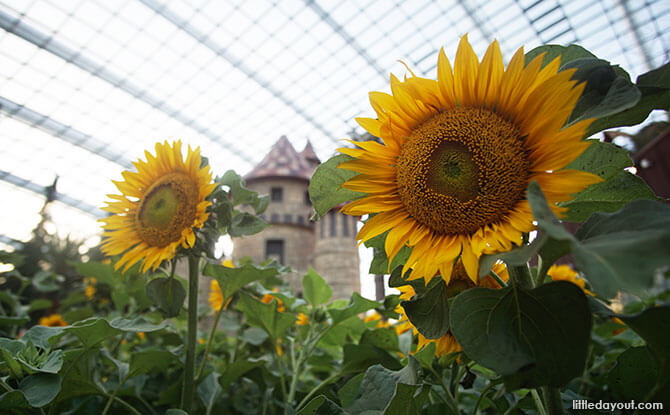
[(520, 276), (552, 400), (189, 366)]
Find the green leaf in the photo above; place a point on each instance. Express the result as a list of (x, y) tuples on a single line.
[(94, 330), (321, 406), (245, 223), (356, 306), (426, 355), (41, 388), (265, 315), (315, 289), (254, 335), (634, 375), (223, 208), (531, 337), (173, 411), (358, 357), (384, 338), (40, 336), (241, 194), (232, 280), (567, 53), (209, 390), (602, 159), (620, 96), (403, 402), (608, 196), (13, 400), (429, 312), (167, 294), (39, 304), (325, 188), (622, 250), (13, 321), (348, 392), (148, 361), (378, 387), (655, 90), (236, 370), (651, 325), (50, 362)]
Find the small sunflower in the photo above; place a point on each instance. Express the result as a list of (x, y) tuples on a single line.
[(375, 316), (158, 208), (89, 287), (52, 320), (457, 156), (267, 299), (565, 273), (302, 319), (458, 283)]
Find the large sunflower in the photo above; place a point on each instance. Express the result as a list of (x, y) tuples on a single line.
[(458, 283), (158, 207), (457, 156)]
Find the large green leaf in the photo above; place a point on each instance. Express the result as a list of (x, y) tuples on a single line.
[(385, 338), (321, 406), (531, 337), (429, 312), (325, 187), (379, 387), (358, 357), (209, 390), (608, 196), (232, 280), (652, 325), (635, 374), (622, 250), (168, 295), (236, 370), (13, 401), (41, 388), (567, 53), (315, 289), (147, 361), (602, 159), (655, 90)]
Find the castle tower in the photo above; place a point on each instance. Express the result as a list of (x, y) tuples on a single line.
[(292, 239)]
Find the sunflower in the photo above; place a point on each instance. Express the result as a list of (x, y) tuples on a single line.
[(267, 299), (375, 316), (457, 154), (158, 207), (459, 282), (565, 273), (302, 319), (52, 320)]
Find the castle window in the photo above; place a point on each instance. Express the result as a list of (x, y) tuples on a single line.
[(287, 218), (274, 218), (308, 202), (333, 223), (276, 194), (274, 249), (345, 225), (300, 219)]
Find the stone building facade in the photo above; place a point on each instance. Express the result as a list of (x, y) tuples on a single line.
[(329, 245)]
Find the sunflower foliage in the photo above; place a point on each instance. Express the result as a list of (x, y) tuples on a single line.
[(540, 338)]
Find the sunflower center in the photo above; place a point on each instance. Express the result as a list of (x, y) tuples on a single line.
[(462, 169), (168, 207)]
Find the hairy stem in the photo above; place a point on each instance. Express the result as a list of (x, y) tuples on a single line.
[(553, 401), (520, 276), (189, 366)]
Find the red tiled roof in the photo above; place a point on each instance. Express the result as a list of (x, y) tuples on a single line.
[(284, 161)]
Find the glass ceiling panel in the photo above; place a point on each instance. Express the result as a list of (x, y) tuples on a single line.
[(233, 76)]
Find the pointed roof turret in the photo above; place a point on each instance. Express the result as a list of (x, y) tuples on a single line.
[(308, 154), (283, 161)]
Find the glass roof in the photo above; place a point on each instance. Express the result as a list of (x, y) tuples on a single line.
[(87, 85)]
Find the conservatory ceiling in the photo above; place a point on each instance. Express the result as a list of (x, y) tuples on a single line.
[(86, 86)]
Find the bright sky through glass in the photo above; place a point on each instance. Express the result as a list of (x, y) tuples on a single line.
[(87, 86)]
